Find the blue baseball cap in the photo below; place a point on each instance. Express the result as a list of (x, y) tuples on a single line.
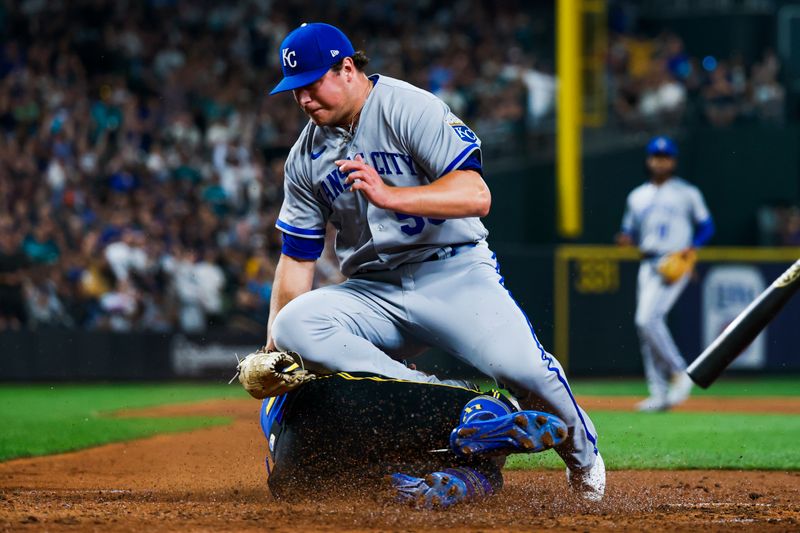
[(308, 52), (662, 145)]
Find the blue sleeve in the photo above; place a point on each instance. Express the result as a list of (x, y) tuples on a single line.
[(301, 247), (703, 232), (473, 162)]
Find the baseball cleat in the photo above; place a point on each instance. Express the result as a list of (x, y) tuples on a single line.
[(589, 484), (653, 404), (437, 490), (520, 432), (679, 390)]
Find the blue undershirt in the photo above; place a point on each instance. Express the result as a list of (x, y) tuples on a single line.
[(703, 232)]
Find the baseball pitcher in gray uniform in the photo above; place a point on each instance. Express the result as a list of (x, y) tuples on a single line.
[(665, 215), (400, 179)]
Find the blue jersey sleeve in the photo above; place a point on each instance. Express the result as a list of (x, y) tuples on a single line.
[(439, 141), (302, 247)]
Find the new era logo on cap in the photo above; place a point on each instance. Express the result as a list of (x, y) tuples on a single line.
[(308, 52)]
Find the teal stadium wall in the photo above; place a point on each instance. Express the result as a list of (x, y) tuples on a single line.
[(738, 169)]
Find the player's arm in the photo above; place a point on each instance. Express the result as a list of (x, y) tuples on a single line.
[(703, 232), (444, 150), (293, 277), (703, 223), (457, 194), (627, 232), (302, 225), (624, 239)]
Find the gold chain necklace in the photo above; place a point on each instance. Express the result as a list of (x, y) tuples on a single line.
[(353, 123)]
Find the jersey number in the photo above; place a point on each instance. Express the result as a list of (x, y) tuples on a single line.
[(417, 223)]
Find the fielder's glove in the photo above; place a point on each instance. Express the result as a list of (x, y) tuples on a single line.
[(264, 374), (676, 265)]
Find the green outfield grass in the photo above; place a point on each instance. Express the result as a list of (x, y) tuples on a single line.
[(688, 440), (45, 419), (39, 420)]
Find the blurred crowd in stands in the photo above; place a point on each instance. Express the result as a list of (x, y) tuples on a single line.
[(654, 82), (779, 225), (141, 161)]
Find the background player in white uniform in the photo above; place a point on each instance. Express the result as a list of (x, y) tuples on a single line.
[(400, 178), (662, 216)]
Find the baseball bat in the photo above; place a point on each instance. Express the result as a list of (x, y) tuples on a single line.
[(741, 332)]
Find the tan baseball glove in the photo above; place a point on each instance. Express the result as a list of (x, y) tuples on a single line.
[(676, 265), (264, 374)]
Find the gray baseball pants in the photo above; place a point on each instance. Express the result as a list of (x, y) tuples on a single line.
[(458, 304)]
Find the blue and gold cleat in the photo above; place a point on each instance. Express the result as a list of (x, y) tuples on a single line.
[(516, 432), (437, 490)]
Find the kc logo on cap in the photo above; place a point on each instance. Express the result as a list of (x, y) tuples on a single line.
[(287, 58), (308, 52)]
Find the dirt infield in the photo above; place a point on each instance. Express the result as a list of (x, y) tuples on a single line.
[(213, 480), (709, 404)]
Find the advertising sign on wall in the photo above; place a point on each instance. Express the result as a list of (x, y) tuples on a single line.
[(727, 290)]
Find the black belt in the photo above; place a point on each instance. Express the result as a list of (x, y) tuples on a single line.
[(653, 256)]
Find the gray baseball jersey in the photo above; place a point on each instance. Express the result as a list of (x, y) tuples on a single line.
[(398, 300), (411, 138), (663, 216)]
